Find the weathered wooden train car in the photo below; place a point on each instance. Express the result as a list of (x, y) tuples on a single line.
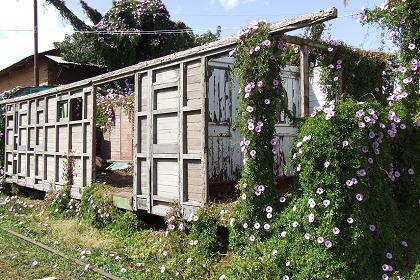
[(185, 143)]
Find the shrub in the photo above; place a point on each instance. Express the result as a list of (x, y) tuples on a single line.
[(97, 209)]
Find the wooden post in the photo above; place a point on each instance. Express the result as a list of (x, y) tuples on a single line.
[(304, 81), (36, 68)]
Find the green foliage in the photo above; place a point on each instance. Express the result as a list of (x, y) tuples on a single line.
[(120, 50), (206, 231), (402, 21), (345, 70), (261, 93), (389, 202), (61, 203), (97, 209)]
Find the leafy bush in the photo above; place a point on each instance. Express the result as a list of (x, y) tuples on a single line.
[(354, 207), (97, 209), (61, 202)]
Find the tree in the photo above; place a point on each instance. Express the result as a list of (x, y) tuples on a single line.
[(99, 43)]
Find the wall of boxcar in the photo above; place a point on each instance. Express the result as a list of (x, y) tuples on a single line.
[(169, 142), (225, 160), (39, 140)]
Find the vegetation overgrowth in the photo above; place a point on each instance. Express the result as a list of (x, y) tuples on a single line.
[(354, 208)]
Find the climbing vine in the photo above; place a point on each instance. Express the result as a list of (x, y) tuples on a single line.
[(258, 69)]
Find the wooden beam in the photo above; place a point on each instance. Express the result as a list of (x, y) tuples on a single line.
[(304, 41), (204, 50), (304, 81)]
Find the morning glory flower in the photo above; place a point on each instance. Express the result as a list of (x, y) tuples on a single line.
[(336, 230), (411, 46), (320, 239), (362, 172), (320, 191), (359, 197), (307, 236), (328, 244), (260, 84), (372, 227)]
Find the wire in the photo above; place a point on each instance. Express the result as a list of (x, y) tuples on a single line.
[(145, 32)]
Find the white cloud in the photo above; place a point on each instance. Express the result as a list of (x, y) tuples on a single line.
[(18, 15), (229, 4)]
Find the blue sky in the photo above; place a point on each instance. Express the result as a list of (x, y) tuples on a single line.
[(198, 14)]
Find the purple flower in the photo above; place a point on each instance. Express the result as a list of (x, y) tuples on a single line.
[(370, 160), (397, 174), (359, 197), (407, 80), (319, 190), (345, 143), (354, 181), (362, 172), (336, 231), (411, 171), (295, 224), (245, 225), (326, 202), (267, 101), (283, 234), (232, 52), (250, 109), (360, 113), (252, 238), (251, 126), (349, 183), (258, 129), (253, 153), (402, 20), (350, 220), (372, 227), (257, 49), (248, 88), (362, 124), (257, 225), (404, 243), (274, 253), (282, 199), (260, 84), (365, 149), (388, 256), (328, 244), (285, 277), (276, 83), (268, 209), (403, 126), (402, 69), (411, 46), (307, 236), (327, 164), (311, 218), (269, 215), (311, 203), (330, 49), (320, 240), (372, 134), (266, 43)]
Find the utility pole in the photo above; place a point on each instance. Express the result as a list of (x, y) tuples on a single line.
[(36, 68)]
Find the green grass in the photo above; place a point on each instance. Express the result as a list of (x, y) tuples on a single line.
[(17, 261), (140, 254)]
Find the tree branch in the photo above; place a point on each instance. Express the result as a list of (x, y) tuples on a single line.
[(65, 12), (94, 15)]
